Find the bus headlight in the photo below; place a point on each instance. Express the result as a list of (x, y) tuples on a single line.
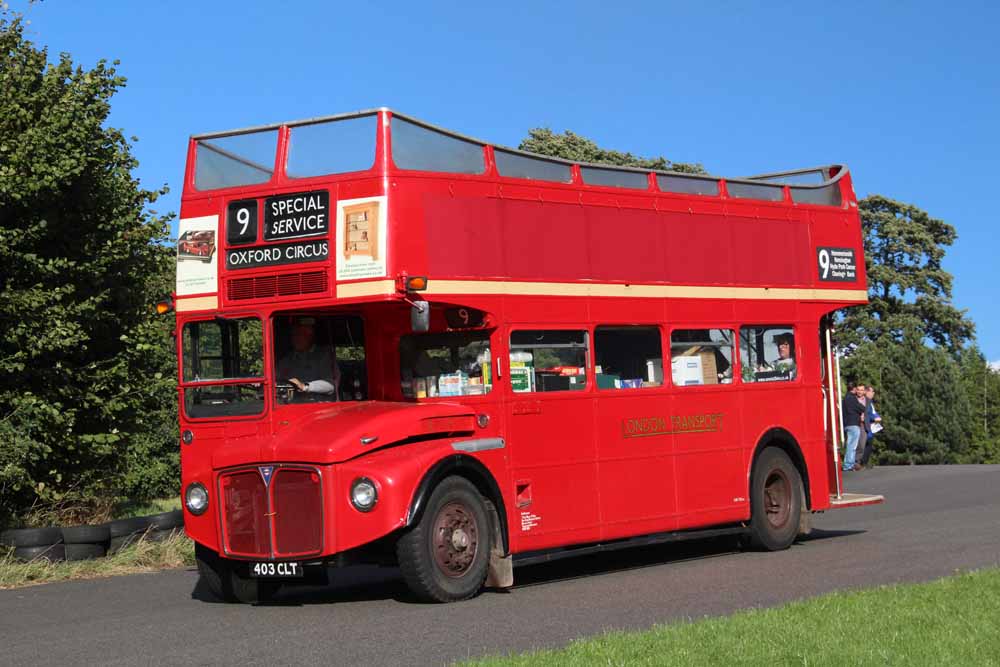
[(196, 498), (364, 494)]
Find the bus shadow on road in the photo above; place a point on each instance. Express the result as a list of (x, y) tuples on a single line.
[(359, 583), (363, 583), (634, 558)]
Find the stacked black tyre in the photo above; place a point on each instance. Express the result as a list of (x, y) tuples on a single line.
[(35, 544), (153, 528), (86, 542)]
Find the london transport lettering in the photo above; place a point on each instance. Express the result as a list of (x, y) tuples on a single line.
[(644, 427), (297, 215)]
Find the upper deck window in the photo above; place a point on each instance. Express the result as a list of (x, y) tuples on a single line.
[(687, 185), (755, 191), (334, 147), (516, 165), (807, 187), (422, 149), (614, 178), (239, 159), (828, 195)]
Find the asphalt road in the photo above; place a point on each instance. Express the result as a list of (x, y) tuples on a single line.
[(936, 521)]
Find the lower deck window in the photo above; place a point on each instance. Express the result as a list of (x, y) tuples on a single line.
[(767, 354), (701, 356), (445, 364), (548, 360), (628, 357)]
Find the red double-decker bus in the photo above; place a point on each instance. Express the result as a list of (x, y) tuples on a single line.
[(414, 348)]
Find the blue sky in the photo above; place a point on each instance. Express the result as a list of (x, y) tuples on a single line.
[(906, 94)]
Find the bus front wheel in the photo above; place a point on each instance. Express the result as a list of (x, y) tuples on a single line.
[(775, 501), (444, 556)]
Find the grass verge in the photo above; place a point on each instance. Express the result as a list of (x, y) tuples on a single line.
[(950, 621), (143, 556), (129, 510)]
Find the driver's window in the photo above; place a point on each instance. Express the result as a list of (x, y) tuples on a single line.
[(319, 358)]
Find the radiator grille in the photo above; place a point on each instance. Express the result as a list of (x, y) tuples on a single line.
[(290, 509), (285, 284), (298, 513), (247, 530)]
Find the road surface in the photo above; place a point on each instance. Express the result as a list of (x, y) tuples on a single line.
[(936, 521)]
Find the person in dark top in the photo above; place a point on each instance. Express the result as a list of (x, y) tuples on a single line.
[(311, 369), (854, 413)]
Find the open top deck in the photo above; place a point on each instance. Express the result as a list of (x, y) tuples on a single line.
[(346, 206)]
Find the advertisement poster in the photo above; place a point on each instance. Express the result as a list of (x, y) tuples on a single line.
[(197, 255), (361, 243)]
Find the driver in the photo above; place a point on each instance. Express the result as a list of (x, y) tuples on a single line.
[(309, 368)]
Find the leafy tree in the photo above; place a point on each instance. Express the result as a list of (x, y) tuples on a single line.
[(904, 247), (920, 395), (982, 387), (86, 371), (570, 146)]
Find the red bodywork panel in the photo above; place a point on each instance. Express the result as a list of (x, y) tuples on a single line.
[(530, 255)]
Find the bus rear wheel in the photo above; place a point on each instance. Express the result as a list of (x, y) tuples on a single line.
[(221, 579), (775, 501), (444, 557)]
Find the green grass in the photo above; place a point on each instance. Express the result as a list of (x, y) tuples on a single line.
[(952, 621), (143, 556), (158, 506)]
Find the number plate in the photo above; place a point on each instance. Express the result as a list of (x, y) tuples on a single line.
[(269, 570)]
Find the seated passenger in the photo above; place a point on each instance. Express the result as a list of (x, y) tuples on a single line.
[(786, 354), (309, 368)]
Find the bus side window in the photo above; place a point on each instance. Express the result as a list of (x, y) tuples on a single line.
[(548, 360), (767, 354), (701, 356), (628, 357)]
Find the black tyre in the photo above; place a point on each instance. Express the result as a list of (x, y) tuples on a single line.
[(775, 501), (221, 579), (31, 537), (52, 553), (86, 534), (123, 527), (85, 551), (166, 520), (444, 557)]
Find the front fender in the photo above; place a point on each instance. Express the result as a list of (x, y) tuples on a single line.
[(406, 475)]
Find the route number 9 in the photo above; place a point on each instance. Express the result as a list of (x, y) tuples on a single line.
[(243, 218), (464, 318), (824, 263), (241, 222)]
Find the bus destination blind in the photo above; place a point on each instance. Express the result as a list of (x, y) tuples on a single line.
[(276, 255), (297, 216)]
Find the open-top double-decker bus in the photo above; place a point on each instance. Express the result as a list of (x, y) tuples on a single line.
[(414, 348)]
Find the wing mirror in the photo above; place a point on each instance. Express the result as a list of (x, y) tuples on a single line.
[(420, 316)]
